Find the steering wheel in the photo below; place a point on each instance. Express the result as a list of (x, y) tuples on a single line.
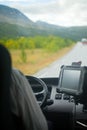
[(43, 89)]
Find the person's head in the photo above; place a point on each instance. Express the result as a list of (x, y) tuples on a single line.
[(5, 79), (5, 64)]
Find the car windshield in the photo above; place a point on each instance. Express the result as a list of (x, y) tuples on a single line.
[(43, 35)]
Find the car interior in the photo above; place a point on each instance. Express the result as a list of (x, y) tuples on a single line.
[(63, 99)]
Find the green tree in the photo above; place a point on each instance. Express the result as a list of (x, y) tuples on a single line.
[(23, 56)]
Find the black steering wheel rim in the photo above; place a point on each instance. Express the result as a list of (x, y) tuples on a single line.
[(44, 91)]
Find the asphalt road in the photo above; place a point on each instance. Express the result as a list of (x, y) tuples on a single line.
[(78, 53)]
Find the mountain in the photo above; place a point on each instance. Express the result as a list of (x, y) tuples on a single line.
[(14, 16), (74, 33), (45, 25), (13, 23)]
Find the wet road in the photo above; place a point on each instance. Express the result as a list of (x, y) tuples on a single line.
[(78, 53)]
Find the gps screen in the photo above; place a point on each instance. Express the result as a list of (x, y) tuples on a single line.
[(70, 79)]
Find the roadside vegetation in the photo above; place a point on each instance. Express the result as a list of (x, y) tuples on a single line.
[(30, 54)]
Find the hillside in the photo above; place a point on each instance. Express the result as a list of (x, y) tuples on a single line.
[(14, 16), (14, 23)]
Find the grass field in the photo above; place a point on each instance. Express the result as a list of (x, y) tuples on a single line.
[(36, 59)]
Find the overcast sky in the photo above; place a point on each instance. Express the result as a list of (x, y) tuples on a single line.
[(59, 12)]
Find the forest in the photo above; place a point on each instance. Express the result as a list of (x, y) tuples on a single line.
[(30, 54), (48, 43)]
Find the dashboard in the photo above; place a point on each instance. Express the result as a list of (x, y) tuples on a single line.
[(60, 108)]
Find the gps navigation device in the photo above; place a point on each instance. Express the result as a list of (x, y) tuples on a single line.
[(71, 80)]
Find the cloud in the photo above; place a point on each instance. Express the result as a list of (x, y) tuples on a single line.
[(60, 12), (14, 0), (63, 12)]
